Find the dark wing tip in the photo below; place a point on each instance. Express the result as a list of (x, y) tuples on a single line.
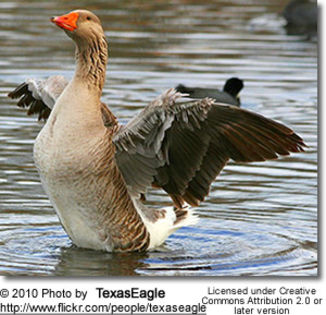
[(26, 99), (19, 91), (299, 143)]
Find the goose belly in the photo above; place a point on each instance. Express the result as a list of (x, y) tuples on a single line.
[(75, 214), (69, 181)]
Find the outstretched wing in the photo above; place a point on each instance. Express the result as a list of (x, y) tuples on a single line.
[(39, 95), (182, 147)]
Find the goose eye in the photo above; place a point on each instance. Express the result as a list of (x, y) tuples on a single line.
[(88, 18)]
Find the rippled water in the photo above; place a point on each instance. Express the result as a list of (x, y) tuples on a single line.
[(260, 219)]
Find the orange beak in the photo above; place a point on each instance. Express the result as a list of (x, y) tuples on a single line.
[(67, 22)]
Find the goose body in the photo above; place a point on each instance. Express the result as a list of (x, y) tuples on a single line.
[(95, 171), (56, 152)]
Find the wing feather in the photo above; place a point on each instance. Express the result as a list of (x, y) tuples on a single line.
[(39, 95), (183, 146)]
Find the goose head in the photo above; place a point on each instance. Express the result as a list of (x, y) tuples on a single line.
[(82, 26)]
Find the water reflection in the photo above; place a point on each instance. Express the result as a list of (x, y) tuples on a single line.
[(260, 219), (74, 261)]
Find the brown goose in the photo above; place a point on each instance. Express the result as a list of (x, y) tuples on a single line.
[(95, 170)]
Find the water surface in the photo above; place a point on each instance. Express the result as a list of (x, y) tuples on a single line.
[(260, 219)]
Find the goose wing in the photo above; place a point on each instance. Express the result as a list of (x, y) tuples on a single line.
[(182, 146), (39, 95)]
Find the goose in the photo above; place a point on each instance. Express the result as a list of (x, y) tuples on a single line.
[(95, 170), (229, 95)]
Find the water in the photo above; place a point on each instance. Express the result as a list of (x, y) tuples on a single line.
[(260, 219)]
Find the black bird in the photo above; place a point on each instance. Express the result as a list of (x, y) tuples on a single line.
[(229, 95)]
